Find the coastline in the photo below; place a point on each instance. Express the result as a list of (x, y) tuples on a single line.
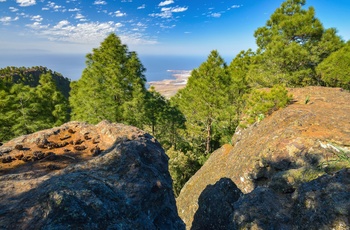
[(169, 87)]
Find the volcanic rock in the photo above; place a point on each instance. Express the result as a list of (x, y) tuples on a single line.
[(275, 157), (126, 186)]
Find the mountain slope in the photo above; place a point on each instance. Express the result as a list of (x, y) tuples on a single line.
[(31, 76)]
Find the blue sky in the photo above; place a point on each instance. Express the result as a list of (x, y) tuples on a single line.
[(50, 31), (148, 27)]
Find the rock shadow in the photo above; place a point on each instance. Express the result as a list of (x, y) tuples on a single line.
[(216, 205), (287, 195)]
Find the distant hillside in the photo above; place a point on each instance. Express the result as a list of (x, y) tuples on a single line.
[(30, 76)]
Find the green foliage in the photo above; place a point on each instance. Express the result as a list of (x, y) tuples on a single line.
[(53, 105), (31, 77), (263, 102), (26, 109), (238, 70), (293, 50), (307, 99), (335, 69), (162, 119), (291, 44), (205, 103), (112, 79), (182, 166), (134, 109)]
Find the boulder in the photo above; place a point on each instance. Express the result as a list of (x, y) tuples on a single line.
[(81, 176), (223, 194), (293, 146), (323, 203)]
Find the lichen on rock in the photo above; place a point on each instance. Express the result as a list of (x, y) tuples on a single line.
[(125, 186), (276, 157)]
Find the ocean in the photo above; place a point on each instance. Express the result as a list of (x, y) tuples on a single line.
[(158, 67)]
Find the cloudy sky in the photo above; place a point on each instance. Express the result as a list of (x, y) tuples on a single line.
[(149, 27), (58, 34)]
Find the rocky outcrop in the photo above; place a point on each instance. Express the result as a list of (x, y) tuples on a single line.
[(323, 203), (223, 194), (80, 176), (276, 157)]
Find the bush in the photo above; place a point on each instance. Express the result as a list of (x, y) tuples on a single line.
[(335, 69), (182, 166), (260, 103)]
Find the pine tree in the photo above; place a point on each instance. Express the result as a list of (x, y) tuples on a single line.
[(205, 102), (53, 105), (290, 46), (110, 79), (239, 69), (162, 119), (5, 106), (26, 109), (335, 69), (155, 105), (23, 111)]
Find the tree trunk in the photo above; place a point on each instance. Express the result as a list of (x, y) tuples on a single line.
[(209, 123), (153, 128)]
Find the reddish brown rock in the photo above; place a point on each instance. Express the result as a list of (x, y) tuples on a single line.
[(123, 183), (291, 147)]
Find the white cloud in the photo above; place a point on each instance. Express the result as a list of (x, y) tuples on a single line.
[(61, 24), (143, 6), (13, 9), (2, 0), (79, 16), (166, 2), (167, 26), (236, 6), (139, 26), (79, 33), (73, 10), (100, 2), (215, 15), (37, 26), (36, 18), (178, 9), (7, 20), (118, 13), (26, 2), (55, 7), (88, 33), (167, 12)]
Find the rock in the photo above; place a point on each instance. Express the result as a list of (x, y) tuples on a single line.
[(260, 209), (223, 194), (323, 203), (290, 147), (126, 186)]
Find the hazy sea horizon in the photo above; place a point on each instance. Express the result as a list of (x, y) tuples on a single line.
[(158, 67)]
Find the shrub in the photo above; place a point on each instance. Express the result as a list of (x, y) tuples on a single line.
[(182, 166), (260, 103)]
